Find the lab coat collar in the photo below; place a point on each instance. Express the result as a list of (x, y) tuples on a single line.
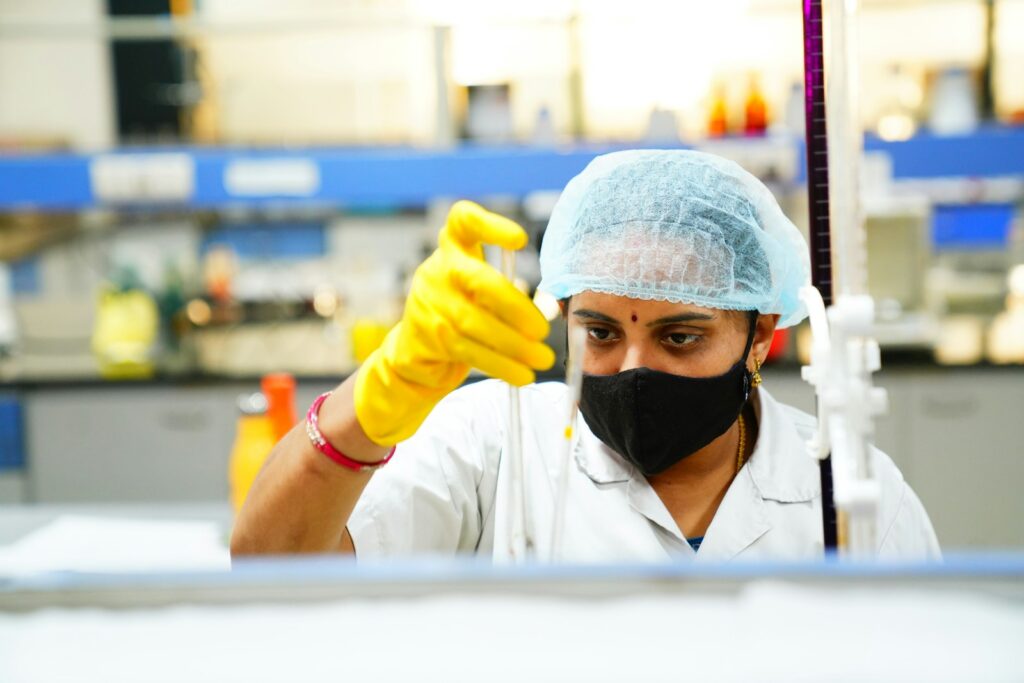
[(604, 466), (741, 519), (780, 467), (597, 460)]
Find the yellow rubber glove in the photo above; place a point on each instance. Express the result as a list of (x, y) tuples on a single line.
[(460, 313)]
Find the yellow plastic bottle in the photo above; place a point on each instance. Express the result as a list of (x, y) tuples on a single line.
[(254, 439), (126, 328)]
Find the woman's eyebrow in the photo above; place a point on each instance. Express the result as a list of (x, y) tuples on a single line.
[(681, 318), (594, 315)]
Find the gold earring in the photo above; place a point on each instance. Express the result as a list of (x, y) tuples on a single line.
[(755, 379)]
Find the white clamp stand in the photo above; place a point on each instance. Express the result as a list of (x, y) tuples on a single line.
[(843, 358)]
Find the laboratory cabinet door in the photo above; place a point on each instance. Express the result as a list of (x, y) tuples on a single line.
[(967, 438), (130, 443)]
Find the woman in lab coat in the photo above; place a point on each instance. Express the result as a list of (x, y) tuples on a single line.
[(678, 266)]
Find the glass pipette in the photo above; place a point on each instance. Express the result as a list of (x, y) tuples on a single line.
[(574, 385), (517, 499)]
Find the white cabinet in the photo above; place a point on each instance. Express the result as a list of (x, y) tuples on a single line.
[(125, 443), (152, 442), (967, 454), (958, 437)]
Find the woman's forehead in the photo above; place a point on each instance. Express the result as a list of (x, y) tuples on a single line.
[(617, 306)]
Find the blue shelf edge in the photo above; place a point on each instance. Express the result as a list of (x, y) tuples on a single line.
[(411, 177)]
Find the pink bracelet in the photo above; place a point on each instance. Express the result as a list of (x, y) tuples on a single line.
[(325, 447)]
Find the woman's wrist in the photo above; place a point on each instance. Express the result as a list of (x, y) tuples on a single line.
[(339, 426)]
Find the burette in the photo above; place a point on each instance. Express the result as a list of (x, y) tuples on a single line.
[(520, 543), (843, 353), (516, 532), (576, 340)]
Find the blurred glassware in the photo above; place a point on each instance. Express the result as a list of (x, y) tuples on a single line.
[(8, 323), (171, 304), (254, 439), (662, 128), (794, 122), (896, 126), (1006, 334), (903, 96), (898, 248), (219, 269), (489, 113), (198, 312), (755, 109), (544, 132), (125, 332), (326, 301), (305, 348), (960, 340), (954, 108), (718, 113)]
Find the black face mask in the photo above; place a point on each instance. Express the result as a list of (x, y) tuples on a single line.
[(655, 419)]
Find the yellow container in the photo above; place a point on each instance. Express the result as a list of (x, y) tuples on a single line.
[(125, 331), (254, 439)]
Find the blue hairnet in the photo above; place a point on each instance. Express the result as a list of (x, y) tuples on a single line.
[(675, 225)]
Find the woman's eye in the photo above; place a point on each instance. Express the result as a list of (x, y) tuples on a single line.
[(681, 339), (599, 333)]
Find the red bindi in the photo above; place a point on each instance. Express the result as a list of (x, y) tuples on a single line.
[(633, 317)]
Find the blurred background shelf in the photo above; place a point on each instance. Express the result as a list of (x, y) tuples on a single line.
[(226, 178), (990, 151)]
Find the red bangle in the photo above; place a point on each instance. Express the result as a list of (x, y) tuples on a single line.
[(325, 447)]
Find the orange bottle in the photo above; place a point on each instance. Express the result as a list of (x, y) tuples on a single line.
[(718, 117), (279, 388), (756, 110), (254, 439)]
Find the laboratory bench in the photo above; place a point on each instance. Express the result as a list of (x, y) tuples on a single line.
[(19, 520), (955, 432)]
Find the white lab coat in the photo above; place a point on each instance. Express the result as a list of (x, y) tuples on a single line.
[(446, 491)]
